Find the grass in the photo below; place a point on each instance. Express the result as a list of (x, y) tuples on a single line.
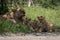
[(52, 15), (7, 26)]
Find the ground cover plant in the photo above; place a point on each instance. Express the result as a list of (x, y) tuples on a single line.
[(51, 15)]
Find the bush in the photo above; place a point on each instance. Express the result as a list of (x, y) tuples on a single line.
[(7, 26)]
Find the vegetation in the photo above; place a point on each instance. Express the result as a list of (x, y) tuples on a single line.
[(48, 8), (7, 26), (3, 7), (52, 15)]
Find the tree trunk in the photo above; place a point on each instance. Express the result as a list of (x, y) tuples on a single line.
[(30, 3)]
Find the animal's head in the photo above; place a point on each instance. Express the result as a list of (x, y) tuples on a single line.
[(40, 18), (19, 13), (26, 20)]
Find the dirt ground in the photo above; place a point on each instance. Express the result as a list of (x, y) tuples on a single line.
[(31, 36)]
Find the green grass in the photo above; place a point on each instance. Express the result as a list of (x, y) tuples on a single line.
[(52, 15), (7, 26)]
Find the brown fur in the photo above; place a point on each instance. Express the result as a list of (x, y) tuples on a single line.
[(35, 25), (45, 25), (26, 21), (15, 15), (19, 14)]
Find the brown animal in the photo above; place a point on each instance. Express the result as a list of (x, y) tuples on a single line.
[(34, 25), (26, 21), (15, 15), (37, 26), (19, 14), (45, 25)]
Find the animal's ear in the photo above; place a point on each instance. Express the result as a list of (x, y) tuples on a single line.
[(14, 10), (38, 17), (22, 10), (41, 17)]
